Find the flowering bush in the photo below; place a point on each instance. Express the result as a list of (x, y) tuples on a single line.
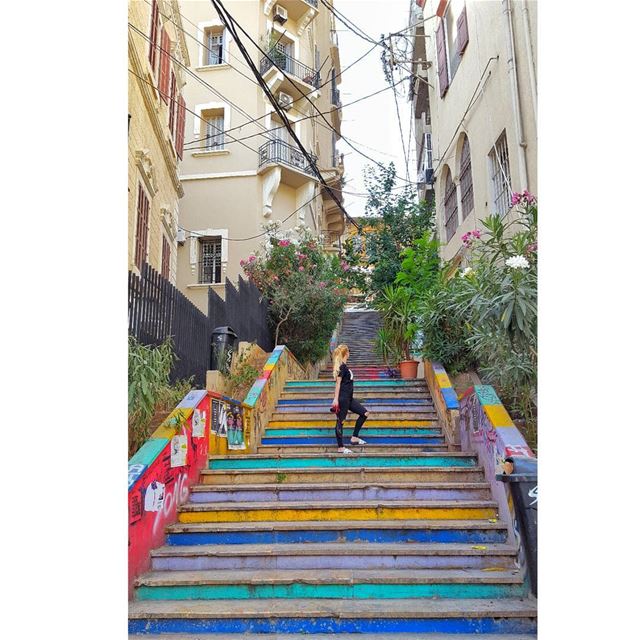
[(303, 287)]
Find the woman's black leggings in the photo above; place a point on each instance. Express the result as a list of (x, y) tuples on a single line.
[(345, 405)]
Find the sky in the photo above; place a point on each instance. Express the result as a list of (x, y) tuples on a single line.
[(372, 122)]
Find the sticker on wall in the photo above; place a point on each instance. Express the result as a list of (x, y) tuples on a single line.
[(154, 496), (198, 423), (178, 451), (222, 420), (135, 506), (235, 431)]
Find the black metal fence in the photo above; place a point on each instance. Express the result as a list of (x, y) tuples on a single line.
[(158, 310)]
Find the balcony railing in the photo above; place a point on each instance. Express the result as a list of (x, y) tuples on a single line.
[(283, 153), (313, 3), (291, 66), (335, 97)]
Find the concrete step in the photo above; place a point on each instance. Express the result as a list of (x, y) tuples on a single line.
[(355, 584), (387, 415), (310, 403), (335, 556), (363, 532), (270, 449), (341, 492), (241, 477), (323, 394), (396, 383), (339, 460), (353, 510), (501, 615), (281, 432), (350, 422), (339, 636)]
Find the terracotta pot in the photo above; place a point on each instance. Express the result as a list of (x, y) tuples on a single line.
[(408, 369)]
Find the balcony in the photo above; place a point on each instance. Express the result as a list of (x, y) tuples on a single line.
[(335, 97), (284, 73), (296, 169), (302, 12)]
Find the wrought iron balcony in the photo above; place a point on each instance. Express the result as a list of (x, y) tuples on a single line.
[(280, 152), (291, 66), (313, 3)]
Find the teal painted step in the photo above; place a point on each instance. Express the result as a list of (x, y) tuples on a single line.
[(374, 431), (329, 591), (343, 461)]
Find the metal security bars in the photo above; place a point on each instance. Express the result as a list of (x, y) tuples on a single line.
[(210, 267), (279, 58), (500, 175), (283, 153)]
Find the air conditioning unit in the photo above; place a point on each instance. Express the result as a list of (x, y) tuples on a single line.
[(181, 236), (280, 14), (285, 100)]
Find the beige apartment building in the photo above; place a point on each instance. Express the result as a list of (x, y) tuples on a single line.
[(157, 58), (475, 108), (241, 168)]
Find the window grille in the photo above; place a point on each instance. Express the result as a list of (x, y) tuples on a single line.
[(215, 133), (166, 258), (450, 207), (215, 54), (466, 179), (210, 266), (142, 228), (500, 175)]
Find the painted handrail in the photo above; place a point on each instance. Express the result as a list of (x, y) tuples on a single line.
[(261, 399), (445, 401)]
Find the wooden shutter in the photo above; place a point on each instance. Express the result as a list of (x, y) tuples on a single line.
[(142, 228), (443, 71), (166, 258), (172, 106), (164, 66), (180, 127), (155, 23), (463, 30)]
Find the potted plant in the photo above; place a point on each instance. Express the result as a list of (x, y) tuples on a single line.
[(397, 309)]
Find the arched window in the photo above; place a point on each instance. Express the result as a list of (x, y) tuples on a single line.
[(450, 206), (466, 180)]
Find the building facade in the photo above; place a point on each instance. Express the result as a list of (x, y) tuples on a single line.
[(475, 108), (157, 58), (241, 167)]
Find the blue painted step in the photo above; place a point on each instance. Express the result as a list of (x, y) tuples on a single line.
[(369, 439)]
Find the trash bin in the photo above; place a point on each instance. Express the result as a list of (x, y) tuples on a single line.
[(223, 343), (524, 490)]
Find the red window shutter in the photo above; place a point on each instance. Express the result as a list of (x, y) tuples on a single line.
[(180, 127), (155, 23), (142, 229), (463, 31), (443, 71), (172, 106), (164, 66)]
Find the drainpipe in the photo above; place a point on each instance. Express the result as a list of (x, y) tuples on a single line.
[(515, 99), (530, 57)]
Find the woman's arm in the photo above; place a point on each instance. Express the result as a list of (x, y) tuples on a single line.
[(337, 393)]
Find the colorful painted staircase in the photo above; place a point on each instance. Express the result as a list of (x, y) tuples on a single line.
[(399, 540)]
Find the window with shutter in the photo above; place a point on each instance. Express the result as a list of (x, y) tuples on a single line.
[(450, 206), (142, 228), (441, 51), (466, 179), (180, 127), (166, 258), (215, 47), (463, 31), (215, 133), (164, 66), (172, 106), (155, 26)]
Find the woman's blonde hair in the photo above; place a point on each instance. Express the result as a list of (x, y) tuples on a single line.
[(339, 357)]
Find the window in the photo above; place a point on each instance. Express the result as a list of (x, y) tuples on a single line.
[(166, 258), (210, 265), (172, 105), (450, 206), (215, 133), (142, 228), (214, 42), (163, 82), (180, 127), (153, 39), (466, 179), (500, 175), (452, 38)]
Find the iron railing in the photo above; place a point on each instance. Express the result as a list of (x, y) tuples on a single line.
[(283, 153), (210, 270), (290, 65), (335, 97), (313, 3)]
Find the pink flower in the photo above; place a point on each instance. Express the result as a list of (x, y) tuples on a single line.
[(251, 258), (475, 233), (531, 248), (300, 268), (344, 265), (322, 285), (528, 197), (284, 243), (515, 199), (242, 263)]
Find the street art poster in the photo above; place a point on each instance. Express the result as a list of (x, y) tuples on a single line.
[(154, 496), (135, 506), (235, 429), (222, 420), (178, 451), (198, 423)]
